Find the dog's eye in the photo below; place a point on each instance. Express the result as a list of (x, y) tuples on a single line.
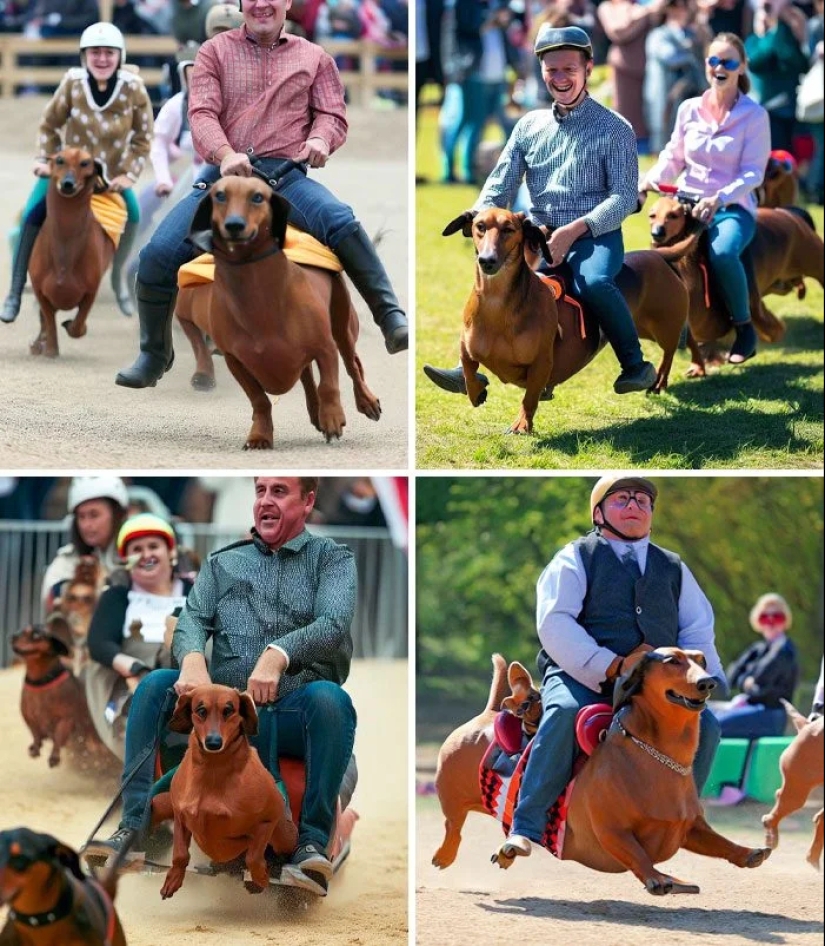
[(18, 862), (200, 712), (220, 197), (85, 164), (673, 215), (257, 198), (59, 162), (228, 711), (481, 228)]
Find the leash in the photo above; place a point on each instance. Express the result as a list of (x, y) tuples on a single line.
[(650, 750)]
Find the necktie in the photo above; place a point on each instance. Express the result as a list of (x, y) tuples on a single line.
[(631, 563)]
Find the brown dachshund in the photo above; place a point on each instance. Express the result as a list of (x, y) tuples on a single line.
[(53, 703), (51, 901), (801, 765), (514, 326), (270, 317), (72, 251), (77, 601), (221, 793), (785, 249), (644, 765)]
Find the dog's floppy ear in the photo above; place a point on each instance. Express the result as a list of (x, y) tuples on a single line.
[(463, 222), (200, 229), (632, 681), (99, 182), (536, 240), (249, 715), (519, 676), (67, 857), (181, 720), (280, 213)]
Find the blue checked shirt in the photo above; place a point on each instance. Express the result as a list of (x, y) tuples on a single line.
[(582, 166), (301, 597)]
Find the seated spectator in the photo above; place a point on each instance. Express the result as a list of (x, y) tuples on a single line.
[(189, 20), (127, 633), (62, 17), (128, 19), (765, 673)]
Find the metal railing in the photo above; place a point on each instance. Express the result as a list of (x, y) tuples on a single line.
[(380, 625)]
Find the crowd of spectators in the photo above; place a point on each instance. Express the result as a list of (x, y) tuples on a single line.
[(654, 51)]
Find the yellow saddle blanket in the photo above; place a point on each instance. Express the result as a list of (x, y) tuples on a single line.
[(299, 247), (110, 213)]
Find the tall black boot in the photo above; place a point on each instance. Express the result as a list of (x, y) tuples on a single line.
[(122, 292), (365, 269), (19, 271), (156, 307)]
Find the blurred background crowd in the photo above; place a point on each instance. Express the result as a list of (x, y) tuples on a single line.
[(476, 57)]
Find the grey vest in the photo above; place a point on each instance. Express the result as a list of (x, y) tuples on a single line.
[(620, 612)]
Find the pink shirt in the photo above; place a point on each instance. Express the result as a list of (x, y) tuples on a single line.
[(727, 159), (264, 100)]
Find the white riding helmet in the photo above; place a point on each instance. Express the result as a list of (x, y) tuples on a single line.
[(83, 488), (103, 34)]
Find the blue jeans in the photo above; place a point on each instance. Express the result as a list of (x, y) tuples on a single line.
[(595, 263), (312, 208), (35, 209), (315, 722), (731, 230), (752, 720), (550, 765)]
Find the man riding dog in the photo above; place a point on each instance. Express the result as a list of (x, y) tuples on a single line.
[(602, 597), (580, 164)]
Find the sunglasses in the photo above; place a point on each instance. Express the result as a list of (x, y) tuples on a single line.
[(80, 599), (729, 64), (771, 617), (622, 499)]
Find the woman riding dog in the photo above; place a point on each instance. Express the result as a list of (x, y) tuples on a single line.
[(104, 109)]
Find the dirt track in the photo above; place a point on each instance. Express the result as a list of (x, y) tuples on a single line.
[(367, 903), (69, 413), (543, 900)]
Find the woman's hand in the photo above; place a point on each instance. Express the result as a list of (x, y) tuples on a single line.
[(162, 189), (120, 183), (705, 209), (42, 168)]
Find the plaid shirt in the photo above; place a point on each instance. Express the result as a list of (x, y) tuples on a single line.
[(264, 100), (246, 596), (582, 166)]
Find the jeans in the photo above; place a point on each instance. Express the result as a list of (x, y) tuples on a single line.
[(550, 765), (315, 722), (312, 208), (752, 720), (595, 263), (35, 209), (731, 230)]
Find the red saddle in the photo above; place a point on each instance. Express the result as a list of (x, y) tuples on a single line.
[(591, 722)]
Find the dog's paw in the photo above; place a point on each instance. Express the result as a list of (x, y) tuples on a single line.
[(757, 856), (481, 398)]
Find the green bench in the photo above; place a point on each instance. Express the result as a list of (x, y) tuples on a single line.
[(750, 765)]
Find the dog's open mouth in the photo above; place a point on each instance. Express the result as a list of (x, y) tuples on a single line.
[(686, 701)]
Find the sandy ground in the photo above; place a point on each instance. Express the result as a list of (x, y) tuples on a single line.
[(545, 900), (69, 413), (367, 903)]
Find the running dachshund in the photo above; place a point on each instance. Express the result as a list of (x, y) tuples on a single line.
[(801, 765), (221, 795), (634, 802), (51, 902), (270, 317)]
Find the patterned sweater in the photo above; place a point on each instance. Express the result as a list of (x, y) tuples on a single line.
[(118, 134)]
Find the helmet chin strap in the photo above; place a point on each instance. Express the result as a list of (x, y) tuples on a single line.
[(573, 104), (613, 529)]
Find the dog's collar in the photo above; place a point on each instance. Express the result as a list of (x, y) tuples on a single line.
[(54, 676), (658, 756), (59, 911), (226, 258)]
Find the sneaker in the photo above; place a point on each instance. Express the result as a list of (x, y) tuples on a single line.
[(121, 844), (515, 846), (640, 377), (313, 862), (451, 379), (744, 345)]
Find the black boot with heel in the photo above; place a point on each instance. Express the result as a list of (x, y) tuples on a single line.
[(156, 306)]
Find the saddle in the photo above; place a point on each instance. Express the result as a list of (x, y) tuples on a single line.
[(502, 769), (110, 212)]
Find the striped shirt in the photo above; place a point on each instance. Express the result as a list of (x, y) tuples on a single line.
[(264, 100), (709, 158), (583, 165), (246, 596)]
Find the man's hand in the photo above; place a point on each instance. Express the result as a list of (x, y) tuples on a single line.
[(235, 164), (562, 239), (193, 673), (120, 183), (315, 153), (263, 682)]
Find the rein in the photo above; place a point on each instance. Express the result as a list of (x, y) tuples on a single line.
[(658, 756)]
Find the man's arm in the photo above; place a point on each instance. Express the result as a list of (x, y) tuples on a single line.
[(502, 185), (328, 108), (621, 165), (195, 624), (205, 107), (696, 627)]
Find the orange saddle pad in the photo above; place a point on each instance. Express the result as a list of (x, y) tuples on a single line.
[(110, 213), (299, 247)]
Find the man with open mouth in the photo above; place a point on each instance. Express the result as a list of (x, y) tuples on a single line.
[(603, 597)]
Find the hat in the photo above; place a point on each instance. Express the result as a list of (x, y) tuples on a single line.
[(222, 16), (562, 37), (84, 488), (103, 34), (144, 524), (610, 484)]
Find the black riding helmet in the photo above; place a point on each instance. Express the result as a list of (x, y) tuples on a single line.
[(562, 37)]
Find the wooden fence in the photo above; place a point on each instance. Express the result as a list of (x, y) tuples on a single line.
[(362, 81)]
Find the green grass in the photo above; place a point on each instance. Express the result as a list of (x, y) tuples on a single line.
[(767, 414)]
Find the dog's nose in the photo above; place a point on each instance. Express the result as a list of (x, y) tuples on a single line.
[(487, 264), (213, 741), (234, 224), (67, 185), (707, 684)]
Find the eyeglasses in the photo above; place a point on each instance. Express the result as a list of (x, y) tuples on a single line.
[(80, 599), (622, 499), (729, 64), (771, 617)]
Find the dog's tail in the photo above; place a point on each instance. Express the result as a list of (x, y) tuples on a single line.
[(794, 715), (499, 688)]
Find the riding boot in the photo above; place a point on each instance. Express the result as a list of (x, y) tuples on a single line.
[(744, 345), (19, 271), (121, 288), (155, 309), (365, 269)]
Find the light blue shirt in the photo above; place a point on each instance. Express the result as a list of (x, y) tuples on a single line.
[(560, 596)]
